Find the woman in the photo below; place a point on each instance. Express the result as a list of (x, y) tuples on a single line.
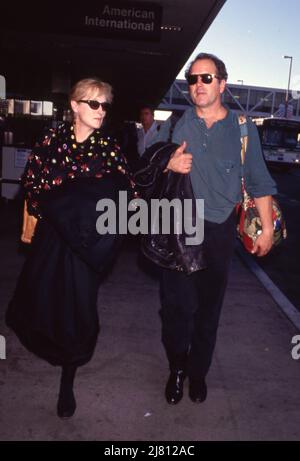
[(54, 308)]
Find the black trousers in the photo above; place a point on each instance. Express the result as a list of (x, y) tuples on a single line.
[(191, 304)]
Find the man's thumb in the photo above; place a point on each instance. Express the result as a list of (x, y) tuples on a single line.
[(182, 146), (180, 149)]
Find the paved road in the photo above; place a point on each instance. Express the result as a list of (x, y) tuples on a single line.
[(283, 263)]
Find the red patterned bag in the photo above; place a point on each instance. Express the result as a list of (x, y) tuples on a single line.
[(248, 221)]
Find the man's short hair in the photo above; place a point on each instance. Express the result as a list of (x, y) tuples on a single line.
[(147, 106), (221, 68)]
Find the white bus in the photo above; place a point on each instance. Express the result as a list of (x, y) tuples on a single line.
[(280, 138)]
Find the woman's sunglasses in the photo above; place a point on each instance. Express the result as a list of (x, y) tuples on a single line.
[(192, 79), (96, 104)]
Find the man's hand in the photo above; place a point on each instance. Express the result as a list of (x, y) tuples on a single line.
[(264, 243), (180, 162)]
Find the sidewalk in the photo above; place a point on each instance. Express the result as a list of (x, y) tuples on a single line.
[(253, 384)]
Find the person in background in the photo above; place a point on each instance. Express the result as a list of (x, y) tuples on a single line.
[(54, 307), (148, 130)]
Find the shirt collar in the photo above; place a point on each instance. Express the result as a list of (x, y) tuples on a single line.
[(192, 115), (152, 127)]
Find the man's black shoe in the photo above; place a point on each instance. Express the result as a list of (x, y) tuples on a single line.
[(174, 387), (197, 390)]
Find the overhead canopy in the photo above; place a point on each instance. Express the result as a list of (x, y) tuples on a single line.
[(137, 46)]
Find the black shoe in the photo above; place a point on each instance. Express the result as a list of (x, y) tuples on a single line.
[(66, 405), (197, 390), (174, 387)]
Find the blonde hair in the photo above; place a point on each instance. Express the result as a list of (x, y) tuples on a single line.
[(89, 85)]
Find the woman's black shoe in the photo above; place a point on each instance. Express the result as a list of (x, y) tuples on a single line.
[(66, 405), (197, 390), (174, 387)]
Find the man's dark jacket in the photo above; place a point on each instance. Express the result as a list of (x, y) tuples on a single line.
[(167, 250)]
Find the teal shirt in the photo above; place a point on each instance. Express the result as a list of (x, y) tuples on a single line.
[(216, 168)]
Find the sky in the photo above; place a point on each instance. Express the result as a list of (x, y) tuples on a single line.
[(251, 37)]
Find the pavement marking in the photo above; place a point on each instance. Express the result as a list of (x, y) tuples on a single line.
[(281, 300)]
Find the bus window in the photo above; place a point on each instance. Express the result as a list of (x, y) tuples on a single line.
[(279, 132), (272, 137), (290, 139)]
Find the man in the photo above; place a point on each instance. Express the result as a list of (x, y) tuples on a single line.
[(149, 129), (210, 147)]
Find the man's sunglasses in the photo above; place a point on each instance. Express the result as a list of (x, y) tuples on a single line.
[(192, 79), (96, 104)]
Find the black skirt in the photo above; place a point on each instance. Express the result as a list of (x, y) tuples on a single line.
[(54, 308)]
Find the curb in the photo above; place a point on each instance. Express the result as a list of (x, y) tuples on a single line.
[(281, 300)]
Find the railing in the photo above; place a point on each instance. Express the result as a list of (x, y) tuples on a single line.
[(251, 100)]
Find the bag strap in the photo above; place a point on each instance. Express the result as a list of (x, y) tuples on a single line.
[(244, 135), (242, 119)]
